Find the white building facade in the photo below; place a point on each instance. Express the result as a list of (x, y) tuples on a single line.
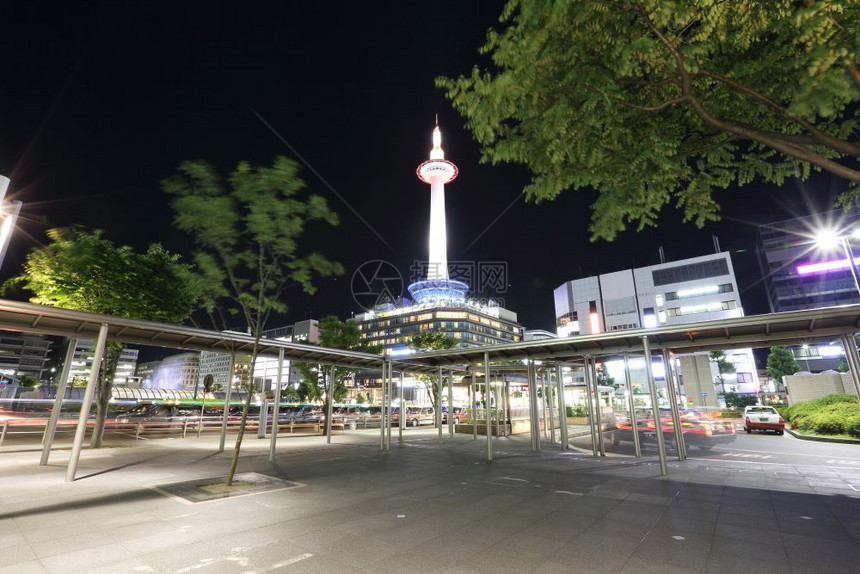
[(688, 291)]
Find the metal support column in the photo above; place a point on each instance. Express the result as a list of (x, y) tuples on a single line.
[(227, 396), (402, 421), (655, 407), (438, 406), (533, 408), (634, 424), (593, 408), (671, 379), (48, 437), (276, 414), (487, 405), (330, 408), (389, 421), (562, 410), (853, 359), (474, 409), (81, 430), (382, 412), (598, 403), (548, 387), (543, 404), (262, 420), (451, 404)]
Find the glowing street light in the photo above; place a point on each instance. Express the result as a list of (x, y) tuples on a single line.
[(829, 238), (8, 216)]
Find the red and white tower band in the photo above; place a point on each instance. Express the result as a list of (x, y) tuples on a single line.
[(437, 171)]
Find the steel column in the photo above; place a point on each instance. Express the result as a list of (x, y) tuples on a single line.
[(532, 386), (590, 402), (382, 412), (451, 404), (438, 406), (655, 406), (548, 387), (669, 369), (474, 409), (330, 408), (276, 408), (487, 405), (634, 424), (388, 421), (853, 358), (402, 421), (48, 437), (562, 409), (81, 430)]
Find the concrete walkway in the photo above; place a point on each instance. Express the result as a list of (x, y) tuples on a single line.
[(424, 507)]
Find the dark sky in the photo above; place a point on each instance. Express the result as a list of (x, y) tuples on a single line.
[(98, 103)]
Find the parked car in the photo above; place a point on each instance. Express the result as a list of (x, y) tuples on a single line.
[(415, 416), (699, 431), (460, 415), (763, 418)]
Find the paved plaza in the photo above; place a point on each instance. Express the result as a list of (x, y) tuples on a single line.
[(423, 507)]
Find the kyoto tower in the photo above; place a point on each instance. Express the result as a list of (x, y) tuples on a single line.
[(437, 171)]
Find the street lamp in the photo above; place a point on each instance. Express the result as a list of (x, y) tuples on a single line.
[(8, 216), (829, 238)]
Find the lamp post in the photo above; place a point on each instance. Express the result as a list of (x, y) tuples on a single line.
[(829, 238), (8, 216), (846, 247)]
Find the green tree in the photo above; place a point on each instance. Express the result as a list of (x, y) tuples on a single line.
[(334, 334), (604, 379), (432, 341), (781, 362), (662, 102), (734, 400), (724, 367), (246, 231), (81, 270)]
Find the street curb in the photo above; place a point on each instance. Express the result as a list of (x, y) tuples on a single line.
[(821, 438)]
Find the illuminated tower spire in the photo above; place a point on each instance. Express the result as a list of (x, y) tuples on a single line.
[(437, 171)]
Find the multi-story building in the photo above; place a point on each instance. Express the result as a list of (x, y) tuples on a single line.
[(23, 354), (266, 368), (82, 362), (802, 273), (799, 272), (392, 327), (687, 291)]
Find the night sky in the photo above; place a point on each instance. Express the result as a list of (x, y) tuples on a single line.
[(98, 103)]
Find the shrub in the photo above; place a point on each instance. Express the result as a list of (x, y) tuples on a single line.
[(795, 413), (578, 411)]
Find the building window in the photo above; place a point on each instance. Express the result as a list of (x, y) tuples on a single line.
[(691, 272), (745, 377)]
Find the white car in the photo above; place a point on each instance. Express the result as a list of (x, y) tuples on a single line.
[(759, 417)]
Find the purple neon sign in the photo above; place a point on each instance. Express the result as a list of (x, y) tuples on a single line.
[(824, 266)]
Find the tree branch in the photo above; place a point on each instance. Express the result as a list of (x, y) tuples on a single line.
[(769, 140), (822, 138)]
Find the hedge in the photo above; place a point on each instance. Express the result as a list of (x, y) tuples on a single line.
[(832, 414)]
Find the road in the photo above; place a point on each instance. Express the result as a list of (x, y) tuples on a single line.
[(755, 448)]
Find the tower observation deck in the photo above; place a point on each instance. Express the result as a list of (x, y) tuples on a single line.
[(437, 171)]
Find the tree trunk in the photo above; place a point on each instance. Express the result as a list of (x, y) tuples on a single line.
[(103, 391), (245, 406)]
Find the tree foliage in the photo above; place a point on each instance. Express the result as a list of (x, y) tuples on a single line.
[(662, 102), (781, 362), (81, 270), (334, 334), (432, 341), (246, 230)]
